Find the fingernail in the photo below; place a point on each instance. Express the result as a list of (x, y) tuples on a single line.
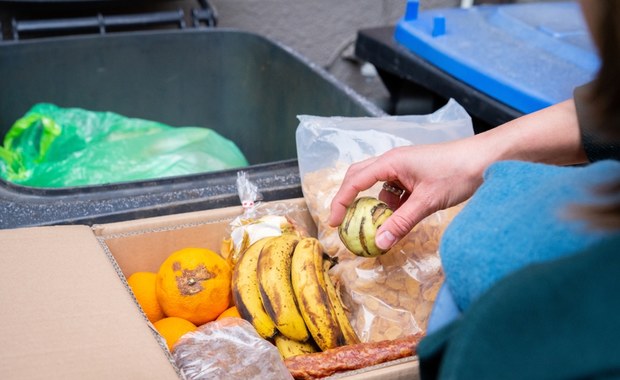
[(385, 240)]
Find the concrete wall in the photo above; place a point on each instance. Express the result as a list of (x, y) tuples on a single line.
[(324, 31), (318, 29)]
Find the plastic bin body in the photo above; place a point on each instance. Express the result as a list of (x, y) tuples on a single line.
[(239, 84), (497, 61)]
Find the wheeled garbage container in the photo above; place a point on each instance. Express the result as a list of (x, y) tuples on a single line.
[(242, 85)]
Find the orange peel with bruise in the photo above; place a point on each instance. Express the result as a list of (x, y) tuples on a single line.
[(194, 284)]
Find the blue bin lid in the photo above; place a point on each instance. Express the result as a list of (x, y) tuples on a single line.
[(528, 56)]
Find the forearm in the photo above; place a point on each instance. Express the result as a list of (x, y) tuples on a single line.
[(437, 176), (549, 136)]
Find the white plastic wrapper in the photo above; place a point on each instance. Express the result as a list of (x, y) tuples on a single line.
[(389, 296), (258, 220), (228, 349)]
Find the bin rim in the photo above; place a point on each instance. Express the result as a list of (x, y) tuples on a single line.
[(141, 184)]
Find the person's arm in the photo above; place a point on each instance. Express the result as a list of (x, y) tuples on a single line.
[(551, 136), (439, 176)]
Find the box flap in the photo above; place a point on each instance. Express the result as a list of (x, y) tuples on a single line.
[(66, 314), (143, 244)]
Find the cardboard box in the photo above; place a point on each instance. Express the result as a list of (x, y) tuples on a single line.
[(67, 311)]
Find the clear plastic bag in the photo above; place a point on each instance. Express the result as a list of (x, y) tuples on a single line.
[(389, 296), (259, 220), (228, 349)]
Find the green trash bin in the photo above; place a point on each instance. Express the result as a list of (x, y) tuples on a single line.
[(245, 87)]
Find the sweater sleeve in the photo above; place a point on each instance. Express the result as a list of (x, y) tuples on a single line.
[(549, 320), (595, 145)]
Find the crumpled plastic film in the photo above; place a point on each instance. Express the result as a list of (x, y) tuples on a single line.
[(228, 349), (258, 220)]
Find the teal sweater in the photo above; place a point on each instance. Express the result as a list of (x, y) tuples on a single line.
[(553, 320), (519, 217)]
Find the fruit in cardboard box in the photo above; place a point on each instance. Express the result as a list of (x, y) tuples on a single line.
[(194, 284), (360, 224), (230, 312), (246, 293), (276, 291), (143, 285), (173, 328), (286, 264), (290, 347), (311, 291), (350, 336)]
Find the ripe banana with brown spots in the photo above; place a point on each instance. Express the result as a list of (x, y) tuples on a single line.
[(350, 336), (310, 288), (246, 293), (289, 347), (276, 291)]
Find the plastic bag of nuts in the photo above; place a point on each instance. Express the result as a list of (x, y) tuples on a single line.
[(228, 349), (389, 296)]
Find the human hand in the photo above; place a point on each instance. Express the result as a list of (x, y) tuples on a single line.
[(433, 177), (438, 176)]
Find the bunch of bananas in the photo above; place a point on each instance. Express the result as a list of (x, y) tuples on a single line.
[(281, 285)]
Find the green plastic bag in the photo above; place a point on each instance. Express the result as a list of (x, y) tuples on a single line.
[(62, 147)]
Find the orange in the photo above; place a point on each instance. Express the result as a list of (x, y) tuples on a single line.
[(194, 284), (173, 328), (230, 312), (143, 286)]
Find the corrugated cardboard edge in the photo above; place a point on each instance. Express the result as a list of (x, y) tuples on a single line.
[(405, 368), (160, 340), (68, 310), (192, 219)]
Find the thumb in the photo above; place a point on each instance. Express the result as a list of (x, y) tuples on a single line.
[(399, 224)]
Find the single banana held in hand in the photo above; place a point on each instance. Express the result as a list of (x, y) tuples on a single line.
[(276, 291), (246, 293), (359, 226), (310, 288)]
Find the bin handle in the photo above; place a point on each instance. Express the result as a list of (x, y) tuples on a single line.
[(100, 22)]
